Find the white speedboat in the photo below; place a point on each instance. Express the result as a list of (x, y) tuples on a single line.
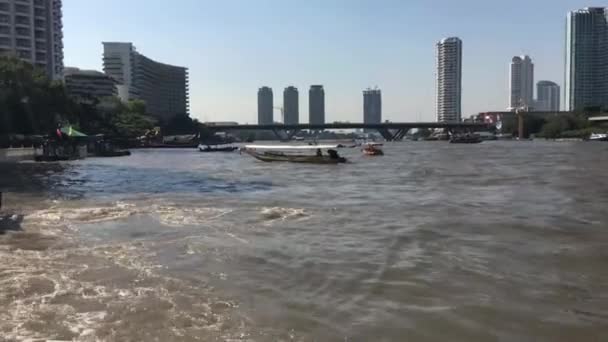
[(598, 137)]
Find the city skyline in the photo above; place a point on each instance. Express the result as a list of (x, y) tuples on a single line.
[(399, 61)]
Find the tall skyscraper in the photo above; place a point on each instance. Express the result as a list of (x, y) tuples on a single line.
[(548, 98), (32, 30), (291, 106), (449, 80), (521, 83), (586, 74), (372, 106), (265, 106), (163, 87), (316, 105)]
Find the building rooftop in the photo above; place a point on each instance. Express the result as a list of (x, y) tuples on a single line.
[(589, 10), (547, 83), (450, 40), (68, 71)]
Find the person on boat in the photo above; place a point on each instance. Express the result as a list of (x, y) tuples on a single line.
[(333, 154), (319, 153)]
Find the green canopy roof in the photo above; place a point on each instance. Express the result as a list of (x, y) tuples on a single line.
[(70, 132)]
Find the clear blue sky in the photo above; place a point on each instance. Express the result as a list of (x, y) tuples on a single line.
[(233, 47)]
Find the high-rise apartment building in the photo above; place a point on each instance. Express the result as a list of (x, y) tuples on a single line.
[(372, 106), (316, 105), (32, 30), (521, 83), (265, 106), (163, 87), (586, 74), (291, 106), (449, 80), (548, 97)]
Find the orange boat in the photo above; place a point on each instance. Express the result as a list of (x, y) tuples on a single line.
[(372, 149)]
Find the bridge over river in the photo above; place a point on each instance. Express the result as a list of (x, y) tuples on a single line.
[(391, 131)]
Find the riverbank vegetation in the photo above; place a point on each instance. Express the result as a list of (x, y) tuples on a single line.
[(31, 104), (558, 126)]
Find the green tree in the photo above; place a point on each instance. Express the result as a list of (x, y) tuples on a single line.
[(29, 102)]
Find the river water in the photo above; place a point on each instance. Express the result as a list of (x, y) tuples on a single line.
[(501, 241)]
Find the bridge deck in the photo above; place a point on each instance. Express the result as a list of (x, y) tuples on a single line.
[(347, 125)]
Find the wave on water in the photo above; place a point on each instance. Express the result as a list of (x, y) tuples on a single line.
[(174, 216), (283, 214), (168, 215), (58, 216), (106, 292)]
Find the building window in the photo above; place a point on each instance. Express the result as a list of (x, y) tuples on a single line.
[(4, 7), (5, 30), (23, 9), (21, 20), (24, 54), (21, 31), (24, 43), (5, 41)]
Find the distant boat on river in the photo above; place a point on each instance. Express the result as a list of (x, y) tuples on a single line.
[(372, 149), (598, 137), (465, 139)]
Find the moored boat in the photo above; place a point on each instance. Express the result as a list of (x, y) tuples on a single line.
[(295, 154)]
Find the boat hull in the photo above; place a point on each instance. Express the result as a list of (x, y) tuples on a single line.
[(221, 149), (466, 140), (276, 157)]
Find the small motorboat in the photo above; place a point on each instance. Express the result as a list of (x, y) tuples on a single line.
[(372, 149), (217, 148), (282, 154), (465, 139)]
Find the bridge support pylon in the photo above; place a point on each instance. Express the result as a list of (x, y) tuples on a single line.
[(285, 134), (394, 135)]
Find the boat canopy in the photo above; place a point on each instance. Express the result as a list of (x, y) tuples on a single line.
[(291, 147)]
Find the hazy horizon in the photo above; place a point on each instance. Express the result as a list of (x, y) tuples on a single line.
[(235, 47)]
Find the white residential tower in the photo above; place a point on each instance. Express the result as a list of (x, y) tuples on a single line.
[(449, 80)]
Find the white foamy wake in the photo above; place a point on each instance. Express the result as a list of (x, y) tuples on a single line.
[(178, 216), (59, 216), (168, 215), (104, 293), (283, 214)]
